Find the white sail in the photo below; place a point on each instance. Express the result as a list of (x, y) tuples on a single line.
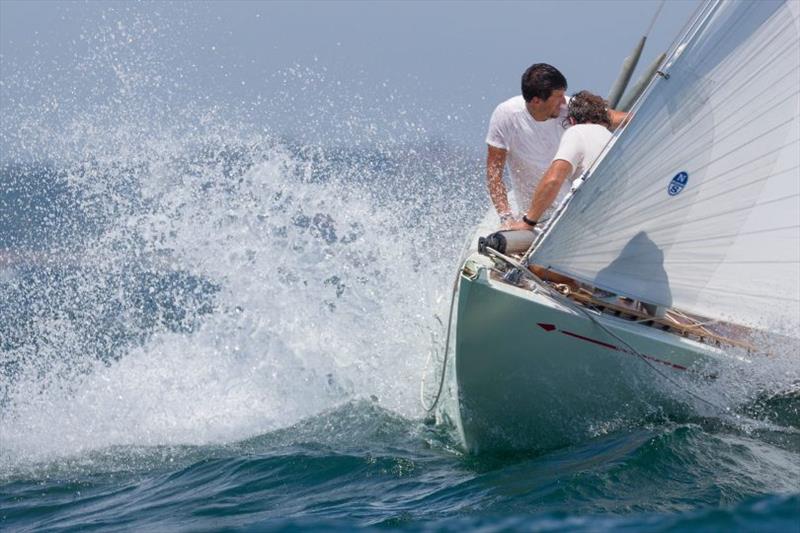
[(696, 203)]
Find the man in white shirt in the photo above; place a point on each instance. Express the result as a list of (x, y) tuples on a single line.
[(524, 132), (580, 145)]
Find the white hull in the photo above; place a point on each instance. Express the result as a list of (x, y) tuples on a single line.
[(532, 371)]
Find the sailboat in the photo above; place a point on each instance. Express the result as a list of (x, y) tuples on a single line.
[(683, 239)]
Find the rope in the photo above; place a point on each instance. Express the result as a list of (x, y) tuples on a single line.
[(430, 408)]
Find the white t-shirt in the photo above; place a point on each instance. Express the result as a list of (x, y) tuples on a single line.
[(531, 144), (580, 146)]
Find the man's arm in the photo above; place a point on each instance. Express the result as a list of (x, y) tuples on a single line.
[(495, 162), (546, 191), (616, 118)]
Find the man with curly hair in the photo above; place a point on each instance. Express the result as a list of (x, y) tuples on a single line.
[(524, 133), (589, 121)]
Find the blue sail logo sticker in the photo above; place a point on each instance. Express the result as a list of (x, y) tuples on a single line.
[(678, 183)]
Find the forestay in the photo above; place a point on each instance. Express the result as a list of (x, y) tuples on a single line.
[(696, 203)]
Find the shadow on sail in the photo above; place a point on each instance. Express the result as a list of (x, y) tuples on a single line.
[(641, 263)]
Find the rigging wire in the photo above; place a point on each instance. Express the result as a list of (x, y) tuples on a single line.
[(649, 363), (723, 411), (653, 22), (633, 350)]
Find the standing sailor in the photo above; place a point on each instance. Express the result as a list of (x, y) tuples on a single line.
[(524, 132)]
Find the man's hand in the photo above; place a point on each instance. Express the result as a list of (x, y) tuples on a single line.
[(617, 118)]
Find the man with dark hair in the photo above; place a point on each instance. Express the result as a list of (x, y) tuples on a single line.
[(540, 80), (524, 132), (580, 145)]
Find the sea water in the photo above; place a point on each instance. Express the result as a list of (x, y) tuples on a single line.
[(209, 323)]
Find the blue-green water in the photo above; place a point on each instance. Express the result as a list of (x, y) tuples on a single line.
[(248, 357), (360, 465)]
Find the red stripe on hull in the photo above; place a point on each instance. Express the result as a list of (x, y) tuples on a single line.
[(581, 337), (612, 347)]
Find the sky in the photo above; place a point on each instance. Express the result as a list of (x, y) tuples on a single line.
[(315, 71)]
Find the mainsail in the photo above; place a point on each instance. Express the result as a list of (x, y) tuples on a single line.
[(696, 203)]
